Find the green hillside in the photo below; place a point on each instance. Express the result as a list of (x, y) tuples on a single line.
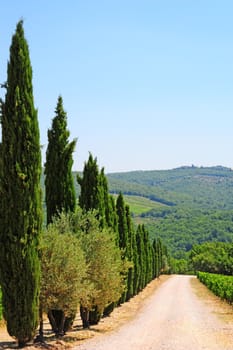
[(183, 206), (209, 188), (191, 205)]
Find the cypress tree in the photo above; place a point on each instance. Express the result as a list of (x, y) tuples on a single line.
[(136, 266), (89, 183), (147, 255), (160, 255), (21, 196), (59, 184), (156, 258), (122, 233), (122, 223), (112, 214), (130, 253), (94, 195), (106, 203), (141, 258)]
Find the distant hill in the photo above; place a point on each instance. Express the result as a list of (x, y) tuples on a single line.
[(183, 206), (191, 204), (206, 188)]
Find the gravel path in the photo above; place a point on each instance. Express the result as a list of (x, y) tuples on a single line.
[(173, 318)]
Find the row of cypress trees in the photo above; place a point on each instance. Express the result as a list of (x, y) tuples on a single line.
[(148, 259), (21, 205)]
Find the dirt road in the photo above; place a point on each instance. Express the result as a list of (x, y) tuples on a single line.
[(173, 318)]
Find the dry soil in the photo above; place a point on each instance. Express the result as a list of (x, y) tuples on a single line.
[(172, 313)]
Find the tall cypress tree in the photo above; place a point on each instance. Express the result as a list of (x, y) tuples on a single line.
[(21, 196), (141, 258), (130, 253), (92, 196), (106, 205), (94, 193), (160, 255), (147, 255), (122, 222), (122, 234), (59, 183), (112, 213), (156, 257), (89, 183)]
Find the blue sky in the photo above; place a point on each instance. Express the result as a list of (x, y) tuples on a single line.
[(146, 84)]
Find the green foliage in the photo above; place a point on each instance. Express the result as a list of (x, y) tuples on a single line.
[(180, 266), (131, 254), (125, 240), (122, 223), (59, 184), (72, 241), (183, 228), (220, 285), (105, 268), (141, 259), (213, 257), (200, 188), (103, 257), (20, 196), (191, 206), (63, 268), (89, 182), (94, 193), (136, 248)]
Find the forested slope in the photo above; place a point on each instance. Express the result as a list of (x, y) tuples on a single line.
[(206, 188), (184, 206), (192, 205)]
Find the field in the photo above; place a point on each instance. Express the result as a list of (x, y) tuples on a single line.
[(139, 205)]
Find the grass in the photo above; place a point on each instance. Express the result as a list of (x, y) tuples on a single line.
[(139, 205)]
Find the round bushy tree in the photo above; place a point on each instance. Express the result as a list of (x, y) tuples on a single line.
[(63, 269)]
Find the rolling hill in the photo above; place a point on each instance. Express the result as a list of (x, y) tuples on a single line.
[(184, 206)]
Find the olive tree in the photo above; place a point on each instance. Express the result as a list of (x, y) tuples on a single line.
[(63, 267)]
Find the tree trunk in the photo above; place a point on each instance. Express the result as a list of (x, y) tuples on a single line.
[(61, 332), (84, 313), (21, 344), (52, 321), (40, 337), (94, 316)]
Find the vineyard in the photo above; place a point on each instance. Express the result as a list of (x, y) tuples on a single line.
[(220, 285)]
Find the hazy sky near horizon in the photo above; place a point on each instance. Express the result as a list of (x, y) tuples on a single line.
[(146, 84)]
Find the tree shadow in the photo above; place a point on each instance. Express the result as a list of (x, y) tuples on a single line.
[(8, 345)]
